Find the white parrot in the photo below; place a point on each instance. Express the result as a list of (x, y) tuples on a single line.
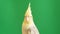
[(28, 26)]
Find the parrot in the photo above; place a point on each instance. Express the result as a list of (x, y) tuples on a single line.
[(28, 26)]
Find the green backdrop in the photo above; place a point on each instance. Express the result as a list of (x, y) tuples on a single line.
[(46, 14)]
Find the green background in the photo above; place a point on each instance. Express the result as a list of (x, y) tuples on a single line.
[(46, 14)]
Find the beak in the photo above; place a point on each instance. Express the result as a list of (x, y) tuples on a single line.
[(27, 18)]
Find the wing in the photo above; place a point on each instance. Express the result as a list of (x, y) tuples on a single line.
[(34, 30)]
